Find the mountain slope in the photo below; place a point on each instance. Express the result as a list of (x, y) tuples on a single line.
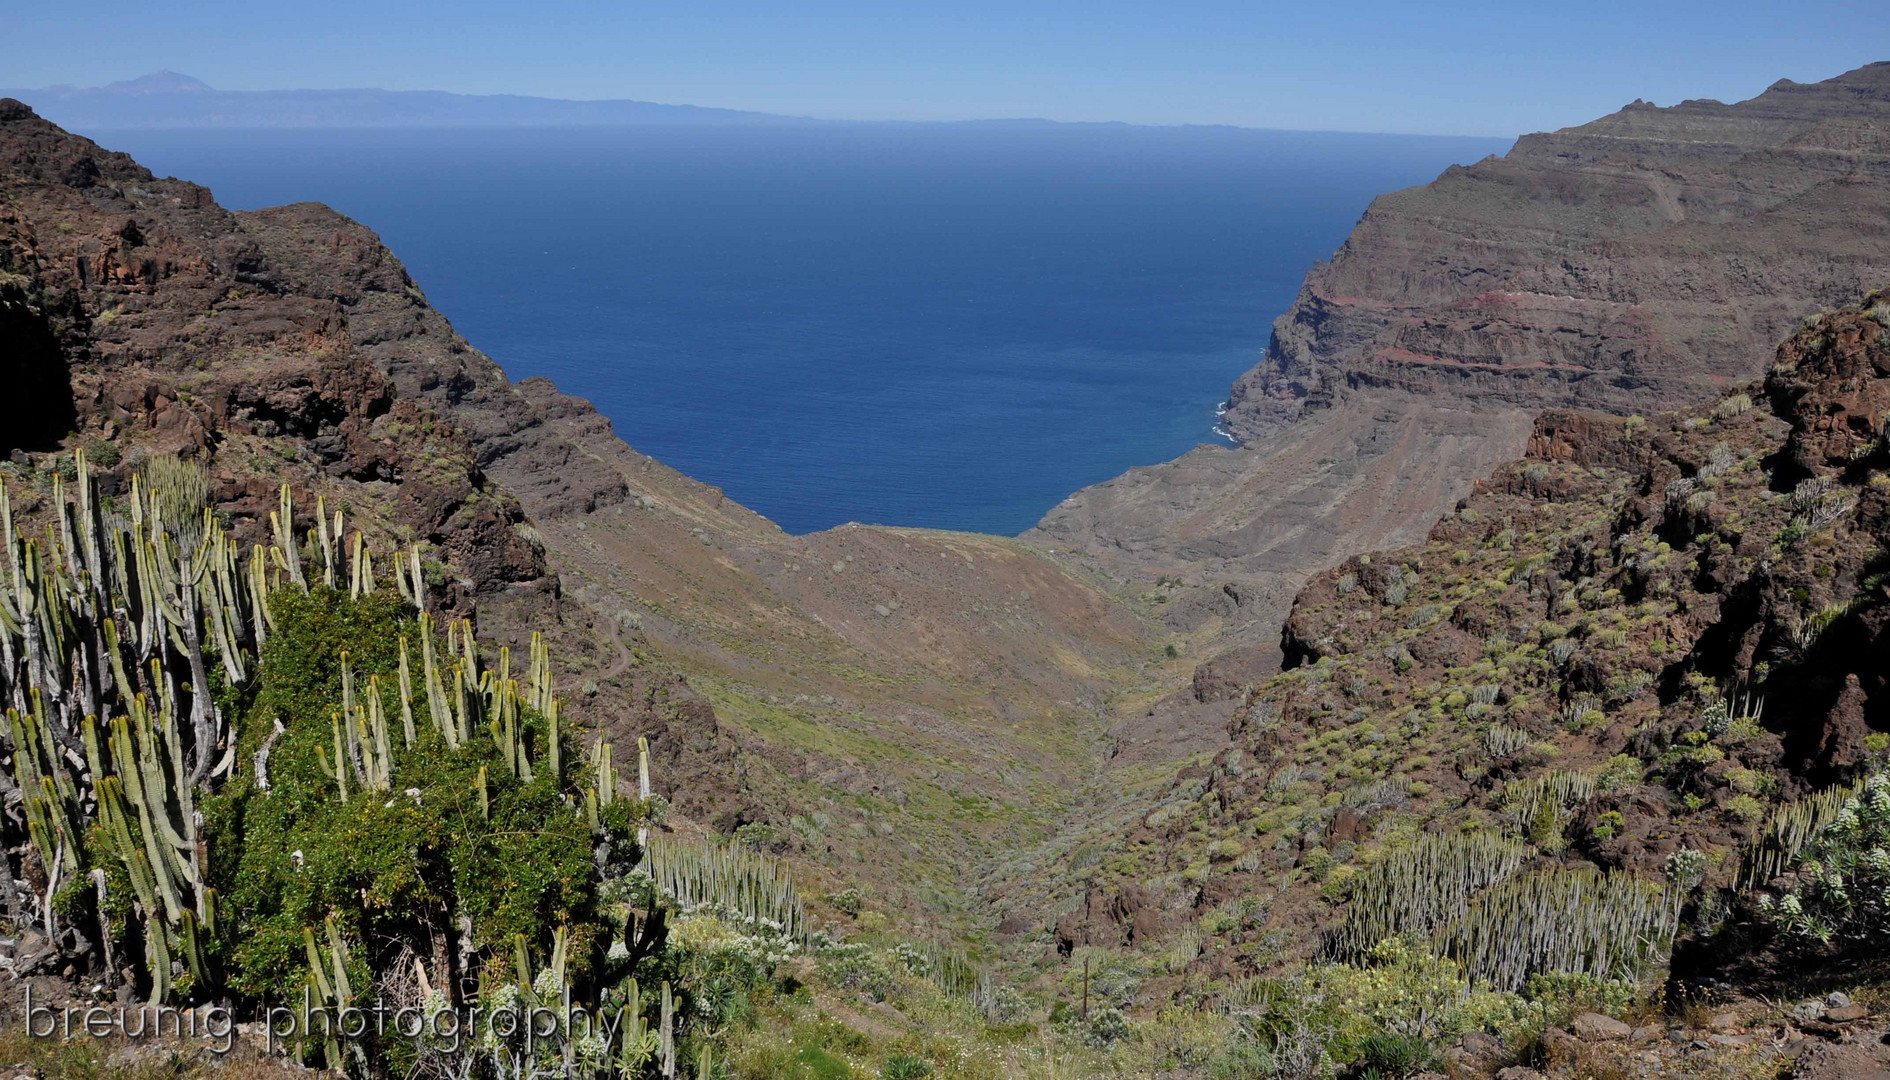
[(1646, 637)]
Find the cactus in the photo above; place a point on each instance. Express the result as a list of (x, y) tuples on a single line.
[(288, 554), (639, 1043), (327, 541), (666, 1035), (406, 696), (1557, 792), (371, 728), (1420, 888), (1579, 920), (337, 770), (408, 579), (643, 787), (603, 789), (361, 568), (1500, 741), (1788, 830), (745, 885), (331, 990)]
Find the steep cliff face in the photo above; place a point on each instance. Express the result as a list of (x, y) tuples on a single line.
[(1635, 263), (1632, 263)]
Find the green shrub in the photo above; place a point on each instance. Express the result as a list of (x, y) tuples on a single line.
[(906, 1067), (1745, 808), (102, 452), (1557, 996), (1387, 1056), (861, 970), (1686, 868), (289, 856), (820, 1065), (1106, 1026), (758, 836)]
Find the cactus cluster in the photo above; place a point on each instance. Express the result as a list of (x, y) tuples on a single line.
[(111, 627), (461, 702), (1564, 919), (1500, 740), (1550, 796), (1420, 888), (127, 630), (747, 885), (1468, 894), (1788, 830)]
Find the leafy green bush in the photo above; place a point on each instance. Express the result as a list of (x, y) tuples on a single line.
[(1106, 1026), (820, 1065), (1406, 990), (102, 452), (862, 970)]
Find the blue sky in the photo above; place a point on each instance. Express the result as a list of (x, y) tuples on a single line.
[(1466, 68)]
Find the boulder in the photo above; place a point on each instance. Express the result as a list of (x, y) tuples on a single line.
[(1594, 1027)]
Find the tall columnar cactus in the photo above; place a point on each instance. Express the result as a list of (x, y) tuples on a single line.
[(643, 786), (288, 554), (332, 990), (408, 578), (407, 729), (360, 567), (638, 1041), (603, 790), (666, 1045)]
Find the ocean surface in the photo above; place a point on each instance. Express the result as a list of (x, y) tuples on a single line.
[(943, 325)]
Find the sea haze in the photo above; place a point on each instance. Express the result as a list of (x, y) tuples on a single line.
[(948, 325)]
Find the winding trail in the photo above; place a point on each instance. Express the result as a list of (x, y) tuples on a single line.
[(623, 651)]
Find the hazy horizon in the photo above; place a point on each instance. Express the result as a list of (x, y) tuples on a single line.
[(1481, 69), (131, 91)]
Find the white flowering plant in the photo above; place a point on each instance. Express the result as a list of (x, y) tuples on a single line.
[(1842, 899)]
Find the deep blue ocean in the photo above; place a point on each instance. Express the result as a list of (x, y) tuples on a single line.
[(943, 325)]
